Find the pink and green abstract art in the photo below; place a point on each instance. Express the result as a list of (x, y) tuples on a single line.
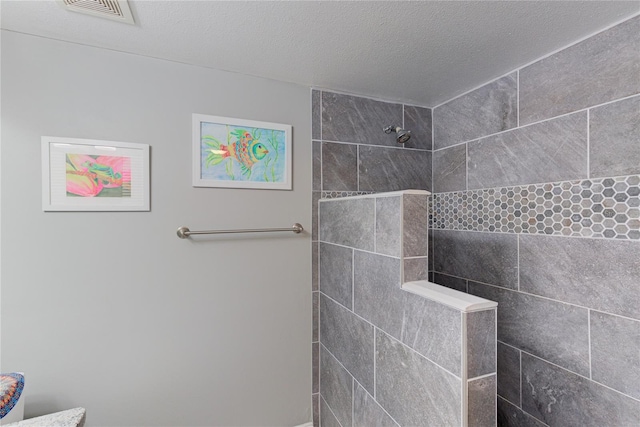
[(98, 176)]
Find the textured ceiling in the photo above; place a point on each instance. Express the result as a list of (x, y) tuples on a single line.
[(421, 53)]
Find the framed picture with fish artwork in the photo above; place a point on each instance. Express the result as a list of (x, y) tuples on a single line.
[(94, 175), (238, 153)]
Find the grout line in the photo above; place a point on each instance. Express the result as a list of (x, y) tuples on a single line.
[(518, 98), (377, 145), (358, 249), (588, 145), (369, 394), (589, 340), (581, 376), (481, 377)]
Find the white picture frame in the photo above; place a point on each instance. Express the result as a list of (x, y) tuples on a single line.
[(238, 153), (94, 175)]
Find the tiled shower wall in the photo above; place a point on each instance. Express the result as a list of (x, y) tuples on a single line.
[(352, 155), (537, 207)]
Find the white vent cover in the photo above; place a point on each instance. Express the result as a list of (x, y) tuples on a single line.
[(117, 10)]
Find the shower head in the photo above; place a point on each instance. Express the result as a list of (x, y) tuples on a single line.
[(402, 135)]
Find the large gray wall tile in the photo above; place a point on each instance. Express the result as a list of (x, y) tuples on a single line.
[(600, 69), (339, 167), (315, 400), (316, 114), (430, 328), (615, 352), (483, 257), (418, 121), (315, 369), (614, 139), (512, 416), (349, 118), (561, 398), (388, 225), (315, 266), (327, 419), (336, 386), (392, 169), (596, 273), (481, 343), (509, 373), (430, 397), (315, 197), (555, 331), (415, 222), (315, 300), (348, 222), (450, 169), (486, 110), (367, 412), (348, 338), (317, 166), (450, 282), (336, 274), (555, 150), (482, 402)]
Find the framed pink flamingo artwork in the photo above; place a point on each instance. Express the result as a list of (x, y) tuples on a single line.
[(94, 175), (238, 153)]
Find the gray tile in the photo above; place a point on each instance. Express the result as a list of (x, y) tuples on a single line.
[(315, 301), (555, 331), (415, 225), (348, 338), (614, 139), (316, 114), (555, 150), (431, 247), (450, 169), (315, 399), (315, 369), (600, 69), (450, 282), (418, 121), (486, 110), (367, 412), (314, 266), (315, 197), (432, 329), (509, 373), (339, 167), (349, 118), (414, 391), (388, 225), (482, 402), (483, 257), (416, 269), (336, 274), (336, 387), (596, 273), (561, 398), (392, 169), (481, 343), (317, 165), (512, 416), (615, 352), (348, 222), (327, 419)]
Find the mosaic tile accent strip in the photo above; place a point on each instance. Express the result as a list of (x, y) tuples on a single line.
[(600, 208), (338, 194)]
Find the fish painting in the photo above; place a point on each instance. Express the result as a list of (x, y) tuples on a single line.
[(247, 150)]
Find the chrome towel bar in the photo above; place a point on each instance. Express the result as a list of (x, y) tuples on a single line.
[(184, 232)]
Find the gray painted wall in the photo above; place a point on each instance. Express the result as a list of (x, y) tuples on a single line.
[(111, 311), (537, 176)]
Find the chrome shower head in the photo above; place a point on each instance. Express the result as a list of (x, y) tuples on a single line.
[(402, 135)]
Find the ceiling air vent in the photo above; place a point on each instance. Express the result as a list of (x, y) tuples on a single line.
[(117, 10)]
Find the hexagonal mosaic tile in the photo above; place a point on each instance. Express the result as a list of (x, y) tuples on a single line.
[(338, 194), (604, 208)]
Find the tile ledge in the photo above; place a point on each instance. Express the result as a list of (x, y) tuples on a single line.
[(450, 297), (372, 195)]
